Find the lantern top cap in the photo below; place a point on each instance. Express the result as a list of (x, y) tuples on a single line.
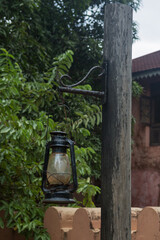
[(58, 133)]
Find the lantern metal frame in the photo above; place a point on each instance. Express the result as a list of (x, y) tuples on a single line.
[(59, 193)]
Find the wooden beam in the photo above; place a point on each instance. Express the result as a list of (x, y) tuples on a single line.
[(116, 126)]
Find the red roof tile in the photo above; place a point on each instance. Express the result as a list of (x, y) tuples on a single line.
[(147, 62)]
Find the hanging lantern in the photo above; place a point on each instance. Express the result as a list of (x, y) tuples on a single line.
[(57, 170)]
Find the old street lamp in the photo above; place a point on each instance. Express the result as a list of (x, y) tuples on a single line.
[(57, 170)]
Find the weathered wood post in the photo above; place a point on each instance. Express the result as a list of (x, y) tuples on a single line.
[(116, 126)]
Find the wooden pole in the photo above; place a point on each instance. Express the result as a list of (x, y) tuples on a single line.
[(116, 126)]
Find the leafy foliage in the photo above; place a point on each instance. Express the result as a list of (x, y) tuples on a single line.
[(24, 130), (36, 31), (137, 89), (23, 133)]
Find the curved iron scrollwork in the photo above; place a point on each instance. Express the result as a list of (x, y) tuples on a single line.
[(70, 89), (83, 79)]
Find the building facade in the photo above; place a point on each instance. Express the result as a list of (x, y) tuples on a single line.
[(146, 136)]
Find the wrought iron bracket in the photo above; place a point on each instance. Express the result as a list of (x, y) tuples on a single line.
[(99, 94)]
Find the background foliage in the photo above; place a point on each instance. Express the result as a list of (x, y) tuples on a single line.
[(35, 32)]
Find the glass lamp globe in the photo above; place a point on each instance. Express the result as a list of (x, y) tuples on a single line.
[(59, 170)]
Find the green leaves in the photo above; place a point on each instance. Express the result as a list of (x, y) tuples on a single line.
[(23, 137), (24, 128), (1, 223), (136, 89), (25, 217), (5, 130), (63, 62), (88, 191)]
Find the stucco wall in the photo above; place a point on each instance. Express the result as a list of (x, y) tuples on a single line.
[(85, 223), (145, 187), (64, 223)]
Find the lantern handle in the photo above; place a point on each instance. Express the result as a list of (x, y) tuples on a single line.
[(73, 163)]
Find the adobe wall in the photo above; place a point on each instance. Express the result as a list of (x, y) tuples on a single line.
[(85, 223), (64, 223), (145, 162)]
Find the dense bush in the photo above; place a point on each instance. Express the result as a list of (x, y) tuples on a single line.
[(24, 129)]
